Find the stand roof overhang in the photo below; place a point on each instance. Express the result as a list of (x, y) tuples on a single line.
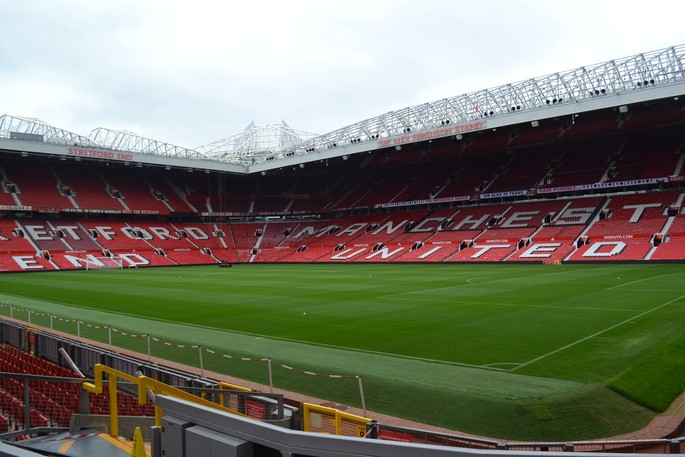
[(614, 84)]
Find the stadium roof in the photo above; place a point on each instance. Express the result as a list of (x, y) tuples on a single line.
[(256, 143), (616, 83)]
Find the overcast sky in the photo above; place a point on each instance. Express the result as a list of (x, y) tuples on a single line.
[(191, 72)]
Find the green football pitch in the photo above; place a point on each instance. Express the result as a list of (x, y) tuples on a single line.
[(529, 352)]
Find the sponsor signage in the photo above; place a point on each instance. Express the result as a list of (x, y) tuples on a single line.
[(100, 154), (428, 201), (431, 134), (605, 185), (513, 193), (15, 208)]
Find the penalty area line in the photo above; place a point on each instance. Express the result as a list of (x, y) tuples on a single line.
[(563, 348)]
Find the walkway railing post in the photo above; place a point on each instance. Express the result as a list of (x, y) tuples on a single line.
[(361, 394), (202, 365)]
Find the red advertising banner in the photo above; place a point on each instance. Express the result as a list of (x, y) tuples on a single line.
[(394, 436), (255, 409)]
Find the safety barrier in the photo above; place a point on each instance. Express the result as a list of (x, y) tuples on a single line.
[(170, 350), (322, 419), (146, 386)]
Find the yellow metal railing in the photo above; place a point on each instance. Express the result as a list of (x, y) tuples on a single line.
[(322, 419), (144, 385), (233, 401)]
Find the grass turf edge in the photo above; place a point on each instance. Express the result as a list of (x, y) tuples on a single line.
[(655, 380)]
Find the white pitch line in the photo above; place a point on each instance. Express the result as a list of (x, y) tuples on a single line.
[(652, 290), (596, 334), (493, 365), (468, 283), (275, 338), (570, 308), (513, 305), (638, 280)]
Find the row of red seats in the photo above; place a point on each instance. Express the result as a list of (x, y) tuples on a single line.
[(496, 162), (127, 405), (14, 410), (35, 365), (54, 400), (57, 186), (52, 403), (459, 234)]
